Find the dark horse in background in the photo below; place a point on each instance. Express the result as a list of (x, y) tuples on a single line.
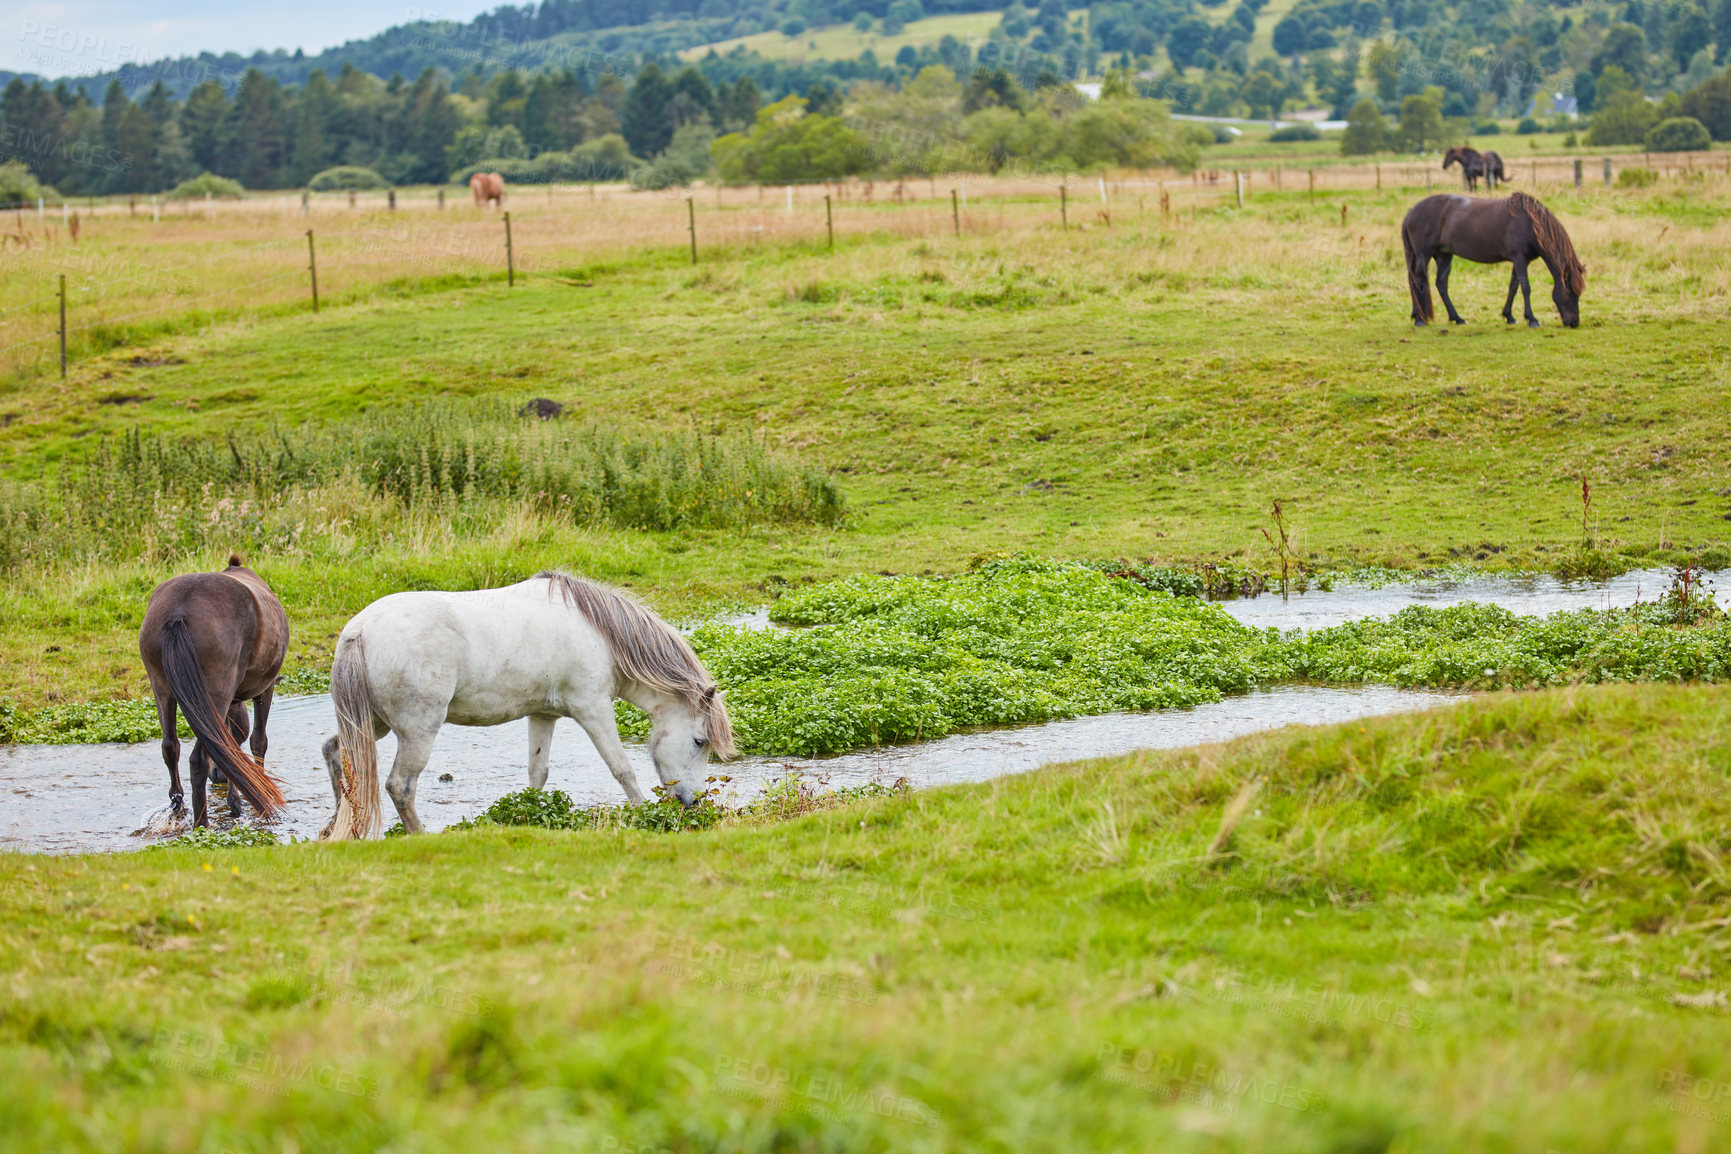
[(211, 641), (1474, 165), (1517, 229)]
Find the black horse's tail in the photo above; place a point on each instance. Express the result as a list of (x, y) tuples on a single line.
[(1417, 278), (186, 678)]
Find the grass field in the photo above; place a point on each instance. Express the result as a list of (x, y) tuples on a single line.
[(1501, 927), (1136, 386), (1498, 927), (845, 42)]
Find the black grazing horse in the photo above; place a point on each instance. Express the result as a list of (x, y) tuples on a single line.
[(210, 641), (1475, 164), (1517, 229)]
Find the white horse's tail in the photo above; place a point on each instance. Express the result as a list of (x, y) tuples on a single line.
[(354, 761)]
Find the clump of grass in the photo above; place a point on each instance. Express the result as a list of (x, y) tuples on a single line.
[(147, 494)]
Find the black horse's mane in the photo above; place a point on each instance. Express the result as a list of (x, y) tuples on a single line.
[(1553, 239)]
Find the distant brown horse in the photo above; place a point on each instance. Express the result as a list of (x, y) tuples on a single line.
[(1517, 229), (489, 189), (211, 641), (1475, 164)]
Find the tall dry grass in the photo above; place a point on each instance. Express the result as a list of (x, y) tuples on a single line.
[(130, 276)]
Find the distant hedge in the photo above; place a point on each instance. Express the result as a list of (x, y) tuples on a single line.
[(604, 158), (347, 177), (1679, 134), (209, 183)]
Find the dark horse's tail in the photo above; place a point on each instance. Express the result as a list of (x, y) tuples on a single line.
[(1417, 278), (186, 678)]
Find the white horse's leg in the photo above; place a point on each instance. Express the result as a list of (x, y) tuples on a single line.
[(603, 730), (540, 750), (334, 759), (413, 750)]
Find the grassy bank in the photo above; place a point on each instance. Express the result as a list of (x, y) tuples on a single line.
[(1499, 927), (1138, 386)]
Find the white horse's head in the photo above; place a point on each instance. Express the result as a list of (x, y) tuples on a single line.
[(683, 735)]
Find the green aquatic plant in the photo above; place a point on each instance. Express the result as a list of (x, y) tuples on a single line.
[(235, 837)]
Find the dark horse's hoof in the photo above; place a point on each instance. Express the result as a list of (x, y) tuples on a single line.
[(1458, 320), (177, 803), (1532, 324), (1418, 324)]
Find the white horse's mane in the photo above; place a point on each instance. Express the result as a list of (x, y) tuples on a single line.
[(647, 650)]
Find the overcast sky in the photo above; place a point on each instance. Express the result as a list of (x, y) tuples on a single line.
[(78, 37)]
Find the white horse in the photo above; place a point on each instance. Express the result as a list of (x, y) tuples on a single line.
[(550, 647)]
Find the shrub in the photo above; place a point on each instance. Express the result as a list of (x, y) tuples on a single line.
[(1637, 178), (1710, 103), (1528, 126), (1295, 132), (347, 177), (207, 183), (1366, 130), (19, 186), (787, 145), (792, 26), (686, 159), (604, 158), (1679, 134), (1487, 128)]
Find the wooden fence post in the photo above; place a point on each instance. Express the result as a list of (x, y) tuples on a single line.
[(1313, 184), (441, 200), (829, 221), (393, 200), (1577, 172), (1379, 178), (1064, 206), (691, 224), (1607, 172), (955, 212), (63, 326), (313, 269), (1238, 178), (510, 256)]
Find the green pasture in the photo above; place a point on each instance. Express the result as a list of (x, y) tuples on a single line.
[(1500, 926), (1135, 386)]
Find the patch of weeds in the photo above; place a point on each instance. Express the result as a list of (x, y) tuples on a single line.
[(236, 837), (554, 809), (1590, 563), (278, 992), (1225, 579), (1178, 582), (82, 722)]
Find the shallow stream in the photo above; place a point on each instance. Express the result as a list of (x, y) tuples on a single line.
[(82, 798)]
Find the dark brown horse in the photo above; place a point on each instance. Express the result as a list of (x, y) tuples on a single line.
[(1474, 165), (211, 641), (1517, 229)]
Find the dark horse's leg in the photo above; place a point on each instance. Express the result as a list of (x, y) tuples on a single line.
[(1509, 305), (1526, 291), (260, 712), (238, 725), (165, 712), (1444, 262), (199, 763)]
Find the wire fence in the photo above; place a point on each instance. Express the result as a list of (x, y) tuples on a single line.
[(135, 271)]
